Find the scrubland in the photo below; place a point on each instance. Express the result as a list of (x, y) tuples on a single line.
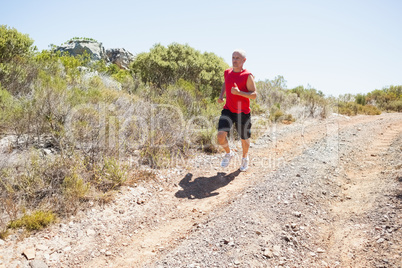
[(73, 131)]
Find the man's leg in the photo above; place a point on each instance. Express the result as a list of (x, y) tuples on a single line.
[(245, 144), (244, 127), (224, 126), (223, 141)]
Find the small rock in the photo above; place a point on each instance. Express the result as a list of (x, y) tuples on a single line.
[(90, 232), (236, 262), (2, 242), (282, 262), (29, 253), (140, 201), (276, 251), (381, 240), (297, 214), (108, 253), (320, 250), (47, 151), (268, 253)]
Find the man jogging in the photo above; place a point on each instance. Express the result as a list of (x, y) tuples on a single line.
[(239, 87)]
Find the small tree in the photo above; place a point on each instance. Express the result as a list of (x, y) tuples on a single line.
[(16, 73), (164, 66), (361, 99), (13, 44)]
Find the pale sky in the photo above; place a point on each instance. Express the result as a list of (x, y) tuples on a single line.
[(338, 47)]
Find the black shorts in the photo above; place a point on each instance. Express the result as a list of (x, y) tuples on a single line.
[(242, 122)]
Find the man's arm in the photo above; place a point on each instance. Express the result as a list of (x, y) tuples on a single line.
[(220, 99), (252, 90)]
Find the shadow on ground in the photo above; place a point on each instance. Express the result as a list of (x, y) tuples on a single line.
[(399, 191), (203, 187)]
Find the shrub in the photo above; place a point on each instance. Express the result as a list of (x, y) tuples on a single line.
[(369, 110), (276, 115), (348, 109), (256, 108), (35, 221), (74, 188), (13, 44), (206, 139), (395, 106), (109, 174), (164, 66), (6, 103), (308, 102)]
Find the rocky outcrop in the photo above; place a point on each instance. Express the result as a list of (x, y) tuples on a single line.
[(79, 47), (120, 57)]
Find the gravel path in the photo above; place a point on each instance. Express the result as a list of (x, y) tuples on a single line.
[(319, 194)]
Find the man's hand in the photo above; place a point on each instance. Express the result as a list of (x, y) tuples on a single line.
[(235, 90), (220, 100)]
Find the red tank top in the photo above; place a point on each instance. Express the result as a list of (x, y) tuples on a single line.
[(235, 103)]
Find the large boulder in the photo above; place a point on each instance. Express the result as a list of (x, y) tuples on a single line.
[(120, 57), (77, 47)]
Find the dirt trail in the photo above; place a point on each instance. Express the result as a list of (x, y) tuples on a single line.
[(209, 188), (306, 201), (361, 189), (149, 245)]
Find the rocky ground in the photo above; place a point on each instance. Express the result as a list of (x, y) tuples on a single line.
[(319, 193)]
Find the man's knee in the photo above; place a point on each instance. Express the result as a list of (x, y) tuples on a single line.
[(245, 141), (222, 137)]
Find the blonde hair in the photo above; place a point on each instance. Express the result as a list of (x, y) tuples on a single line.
[(241, 52)]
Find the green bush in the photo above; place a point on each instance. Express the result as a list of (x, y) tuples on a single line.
[(13, 44), (206, 139), (276, 115), (6, 102), (111, 174), (353, 108), (368, 109), (395, 106), (387, 98), (164, 66), (35, 221), (74, 187)]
